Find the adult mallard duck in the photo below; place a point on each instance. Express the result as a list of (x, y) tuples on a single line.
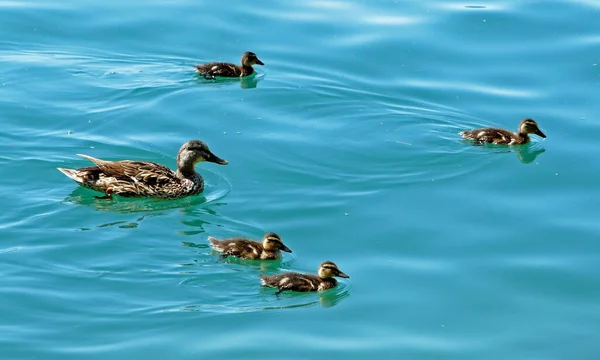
[(304, 282), (501, 136), (146, 179), (244, 248), (213, 69)]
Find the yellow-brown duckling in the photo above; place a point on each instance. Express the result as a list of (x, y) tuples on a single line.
[(269, 249), (305, 282), (501, 136), (146, 179), (213, 69)]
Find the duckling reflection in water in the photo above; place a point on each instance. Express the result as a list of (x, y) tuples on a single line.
[(293, 281), (502, 136), (214, 69), (269, 249)]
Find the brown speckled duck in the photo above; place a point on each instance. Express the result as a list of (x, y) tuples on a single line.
[(146, 179), (213, 69), (269, 249), (305, 282), (501, 136)]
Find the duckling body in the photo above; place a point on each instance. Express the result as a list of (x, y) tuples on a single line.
[(222, 69), (294, 281), (269, 249), (146, 179), (502, 136)]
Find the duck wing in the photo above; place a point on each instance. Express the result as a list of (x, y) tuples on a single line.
[(239, 247), (219, 69), (292, 281), (149, 173), (489, 135)]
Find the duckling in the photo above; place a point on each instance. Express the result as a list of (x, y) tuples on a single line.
[(146, 179), (305, 282), (248, 249), (210, 70), (501, 136)]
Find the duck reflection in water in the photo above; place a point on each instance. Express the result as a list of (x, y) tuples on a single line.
[(525, 153), (248, 82)]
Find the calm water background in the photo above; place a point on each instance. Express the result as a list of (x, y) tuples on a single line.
[(344, 143)]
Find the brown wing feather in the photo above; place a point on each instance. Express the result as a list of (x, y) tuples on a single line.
[(131, 168), (489, 135), (132, 178), (140, 171), (239, 247), (219, 69), (292, 281)]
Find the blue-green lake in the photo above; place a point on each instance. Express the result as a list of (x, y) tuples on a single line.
[(345, 144)]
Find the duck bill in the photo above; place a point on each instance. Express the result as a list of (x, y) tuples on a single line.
[(258, 62), (215, 159), (285, 248), (343, 275), (540, 133)]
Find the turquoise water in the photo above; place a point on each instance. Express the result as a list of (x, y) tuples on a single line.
[(345, 144)]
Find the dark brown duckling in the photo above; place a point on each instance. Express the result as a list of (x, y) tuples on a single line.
[(501, 136), (213, 69), (305, 282), (249, 249)]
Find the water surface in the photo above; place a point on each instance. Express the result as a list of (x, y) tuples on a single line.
[(345, 143)]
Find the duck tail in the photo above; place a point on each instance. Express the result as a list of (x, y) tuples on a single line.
[(215, 243), (263, 280), (92, 159), (73, 174)]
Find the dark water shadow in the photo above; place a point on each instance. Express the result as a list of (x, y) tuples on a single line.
[(131, 224), (526, 153), (85, 197), (291, 299), (270, 301), (153, 207), (247, 82)]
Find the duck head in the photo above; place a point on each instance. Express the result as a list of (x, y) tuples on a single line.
[(195, 151), (329, 269), (249, 58), (272, 242), (529, 126)]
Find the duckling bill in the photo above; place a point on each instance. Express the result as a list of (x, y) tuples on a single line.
[(293, 281), (222, 69), (269, 249), (146, 179), (506, 137)]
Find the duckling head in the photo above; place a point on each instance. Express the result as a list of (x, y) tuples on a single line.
[(529, 126), (329, 269), (195, 151), (272, 242), (249, 58)]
